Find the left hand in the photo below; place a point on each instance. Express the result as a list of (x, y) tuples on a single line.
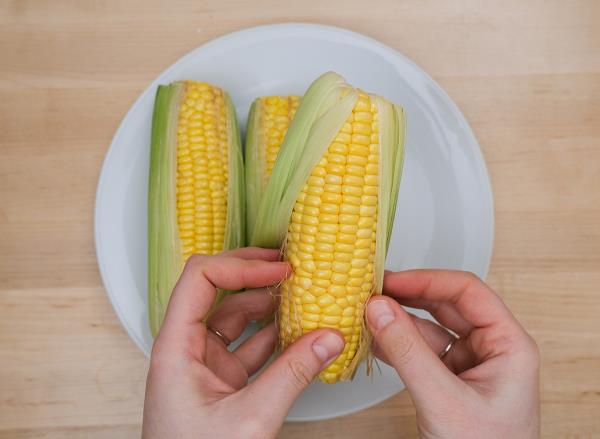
[(196, 387)]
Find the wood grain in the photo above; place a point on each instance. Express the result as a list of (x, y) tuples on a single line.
[(525, 74)]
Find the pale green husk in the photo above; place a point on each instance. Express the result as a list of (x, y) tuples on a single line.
[(164, 248), (165, 262), (235, 229), (255, 161), (293, 163)]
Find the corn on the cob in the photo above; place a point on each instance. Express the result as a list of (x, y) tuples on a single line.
[(268, 121), (196, 202), (330, 202)]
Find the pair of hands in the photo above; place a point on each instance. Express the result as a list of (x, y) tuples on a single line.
[(486, 386)]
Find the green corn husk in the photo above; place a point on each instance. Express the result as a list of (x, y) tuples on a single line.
[(254, 166), (265, 126), (165, 261)]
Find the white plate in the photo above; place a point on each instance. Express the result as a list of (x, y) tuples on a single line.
[(444, 216)]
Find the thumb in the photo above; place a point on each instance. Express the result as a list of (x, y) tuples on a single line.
[(284, 380), (398, 338)]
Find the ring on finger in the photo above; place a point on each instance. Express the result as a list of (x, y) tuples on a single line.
[(448, 347), (219, 335)]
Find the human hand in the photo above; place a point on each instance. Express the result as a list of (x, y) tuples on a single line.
[(487, 384), (196, 387)]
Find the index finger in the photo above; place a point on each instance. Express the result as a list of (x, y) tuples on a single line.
[(477, 303), (496, 332), (266, 254), (196, 289)]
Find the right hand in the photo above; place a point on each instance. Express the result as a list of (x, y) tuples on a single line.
[(487, 385)]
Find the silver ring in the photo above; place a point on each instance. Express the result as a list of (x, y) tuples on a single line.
[(219, 334), (448, 347)]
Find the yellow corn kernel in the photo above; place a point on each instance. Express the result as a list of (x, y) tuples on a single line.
[(277, 113), (339, 236), (193, 172)]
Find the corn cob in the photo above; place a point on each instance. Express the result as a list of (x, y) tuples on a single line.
[(268, 122), (195, 202), (330, 204)]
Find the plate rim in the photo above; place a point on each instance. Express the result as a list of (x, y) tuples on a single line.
[(264, 30)]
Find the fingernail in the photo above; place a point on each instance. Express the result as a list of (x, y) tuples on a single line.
[(288, 268), (328, 346), (380, 314)]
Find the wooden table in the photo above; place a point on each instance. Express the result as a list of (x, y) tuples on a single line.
[(526, 75)]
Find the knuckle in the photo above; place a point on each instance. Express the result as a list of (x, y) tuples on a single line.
[(196, 260), (471, 277), (298, 373), (471, 280), (530, 351), (521, 346)]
